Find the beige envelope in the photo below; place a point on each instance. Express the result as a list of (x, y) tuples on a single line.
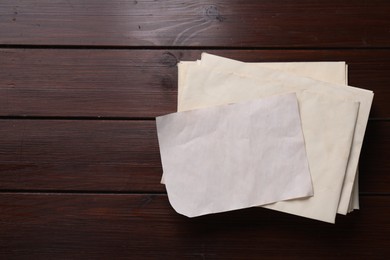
[(206, 86), (333, 72), (234, 156)]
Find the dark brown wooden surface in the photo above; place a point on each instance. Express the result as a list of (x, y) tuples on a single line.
[(303, 23), (81, 83), (101, 226), (143, 83), (123, 156)]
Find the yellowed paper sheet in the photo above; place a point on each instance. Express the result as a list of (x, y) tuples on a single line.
[(233, 84), (234, 156), (365, 96), (332, 72)]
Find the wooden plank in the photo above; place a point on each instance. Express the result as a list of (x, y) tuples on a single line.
[(79, 155), (72, 226), (143, 83), (298, 23), (86, 83), (375, 158), (122, 156)]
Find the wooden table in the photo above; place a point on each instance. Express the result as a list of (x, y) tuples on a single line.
[(81, 83)]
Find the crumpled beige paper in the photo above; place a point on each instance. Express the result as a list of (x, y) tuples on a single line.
[(332, 72), (234, 156), (354, 94), (207, 87)]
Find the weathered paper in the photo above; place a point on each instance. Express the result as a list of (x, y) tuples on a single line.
[(320, 133), (327, 149), (332, 72), (234, 156), (351, 93)]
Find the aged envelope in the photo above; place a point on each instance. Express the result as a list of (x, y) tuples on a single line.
[(234, 156), (327, 158), (361, 95)]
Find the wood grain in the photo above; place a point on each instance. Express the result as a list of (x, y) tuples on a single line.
[(98, 155), (143, 83), (298, 23), (100, 226), (374, 157), (79, 155), (80, 83)]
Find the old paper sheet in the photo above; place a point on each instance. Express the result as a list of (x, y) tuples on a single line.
[(363, 96), (327, 157), (234, 156), (332, 72)]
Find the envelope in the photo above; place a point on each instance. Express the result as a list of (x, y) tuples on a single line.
[(234, 156), (354, 94), (206, 86)]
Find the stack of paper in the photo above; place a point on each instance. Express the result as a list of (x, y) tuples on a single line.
[(284, 136)]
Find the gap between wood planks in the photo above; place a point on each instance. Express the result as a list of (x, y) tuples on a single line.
[(178, 47), (119, 118)]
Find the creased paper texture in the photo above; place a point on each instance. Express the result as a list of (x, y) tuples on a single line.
[(332, 72), (328, 139), (205, 89), (267, 78), (234, 156)]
